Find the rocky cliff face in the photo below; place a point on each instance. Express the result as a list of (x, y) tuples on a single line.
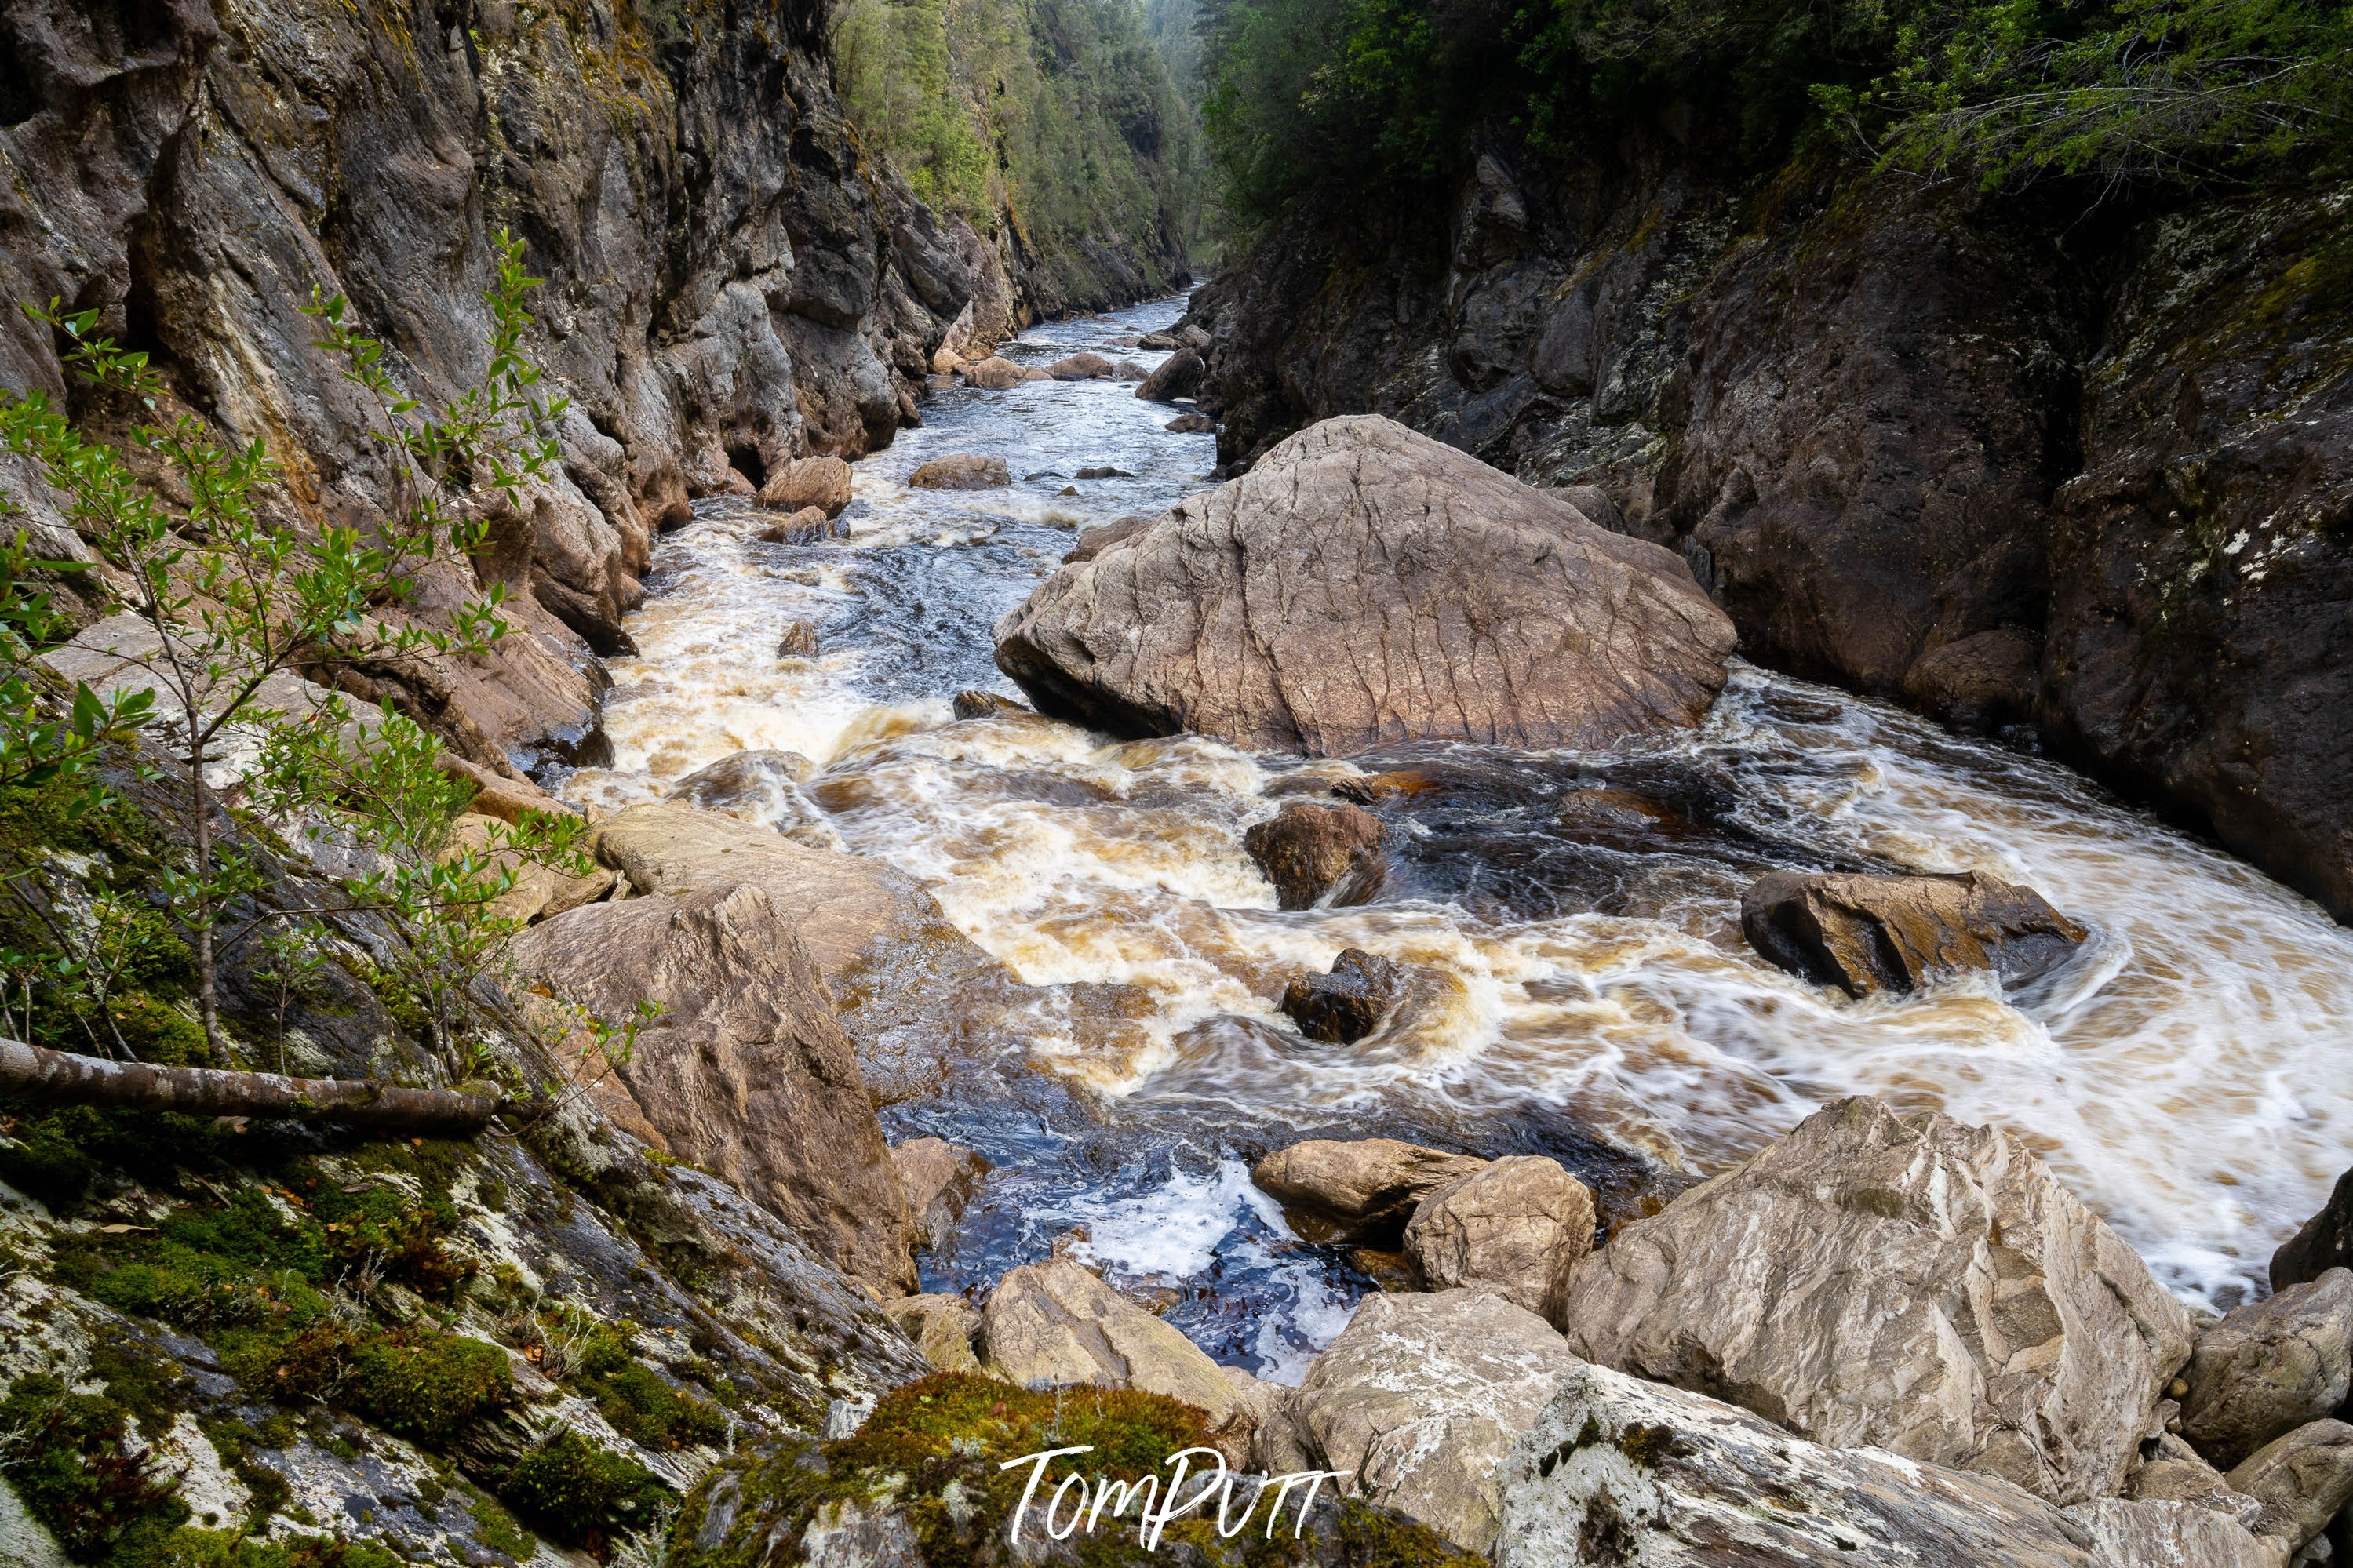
[(1983, 457), (729, 283)]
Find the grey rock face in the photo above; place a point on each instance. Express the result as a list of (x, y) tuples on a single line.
[(1616, 1469), (716, 260), (1866, 934), (2269, 1367), (747, 1072), (1357, 1190), (1912, 1284), (1514, 1227), (1420, 1398), (1365, 585)]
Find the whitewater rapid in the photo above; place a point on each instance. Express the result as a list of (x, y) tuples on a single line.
[(2185, 1075)]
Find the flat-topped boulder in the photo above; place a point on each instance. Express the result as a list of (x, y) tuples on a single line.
[(1364, 585), (1361, 1189), (961, 471)]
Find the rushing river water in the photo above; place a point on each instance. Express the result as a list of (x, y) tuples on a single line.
[(1592, 1000)]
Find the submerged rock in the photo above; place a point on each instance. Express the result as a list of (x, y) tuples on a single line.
[(1912, 1283), (1348, 1003), (1515, 1227), (1866, 934), (961, 471), (1319, 854), (983, 705), (807, 526), (745, 1071), (1616, 1469), (1365, 585), (1420, 1398), (1357, 1190), (798, 641), (2269, 1367)]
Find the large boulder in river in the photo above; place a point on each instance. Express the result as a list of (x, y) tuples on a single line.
[(1361, 1189), (1619, 1470), (1179, 375), (961, 471), (1365, 585), (747, 1072), (1310, 851), (1865, 934), (1420, 1398), (939, 1179), (820, 482), (2269, 1367), (1514, 1227), (995, 373), (1911, 1283)]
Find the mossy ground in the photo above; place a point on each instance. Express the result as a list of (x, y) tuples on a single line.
[(932, 1451)]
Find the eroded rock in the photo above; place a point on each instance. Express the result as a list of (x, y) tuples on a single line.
[(745, 1071), (823, 483), (2303, 1480), (961, 471), (1082, 366), (1420, 1398), (1314, 854), (1360, 1189), (994, 374), (939, 1179), (942, 1328), (1179, 375), (1910, 1283), (798, 641), (1616, 1469), (2269, 1367), (1363, 585), (1515, 1227), (1350, 1002), (2322, 1243), (1866, 934), (807, 526)]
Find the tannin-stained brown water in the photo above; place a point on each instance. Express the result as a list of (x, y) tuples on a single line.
[(1593, 1000)]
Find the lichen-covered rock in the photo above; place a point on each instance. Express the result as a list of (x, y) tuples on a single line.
[(1616, 1469), (2269, 1367), (1365, 585), (1355, 1190), (1514, 1227), (1311, 853), (1908, 1283), (942, 1328), (1347, 1003), (1867, 934), (745, 1071), (1420, 1398)]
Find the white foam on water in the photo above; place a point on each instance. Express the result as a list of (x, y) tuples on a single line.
[(2185, 1076)]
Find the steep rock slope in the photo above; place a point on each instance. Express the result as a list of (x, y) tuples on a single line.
[(1976, 454), (729, 284)]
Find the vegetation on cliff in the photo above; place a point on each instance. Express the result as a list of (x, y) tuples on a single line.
[(1057, 128), (1352, 93)]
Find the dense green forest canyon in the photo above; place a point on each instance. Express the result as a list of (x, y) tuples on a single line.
[(1064, 132)]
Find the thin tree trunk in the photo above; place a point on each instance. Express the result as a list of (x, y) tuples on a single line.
[(63, 1077), (208, 969)]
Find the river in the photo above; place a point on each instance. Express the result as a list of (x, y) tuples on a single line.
[(1595, 1001)]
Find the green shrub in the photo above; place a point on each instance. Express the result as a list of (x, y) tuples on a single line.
[(580, 1494), (654, 1416), (427, 1386)]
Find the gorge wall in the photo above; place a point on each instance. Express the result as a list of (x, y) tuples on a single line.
[(730, 281), (2018, 464)]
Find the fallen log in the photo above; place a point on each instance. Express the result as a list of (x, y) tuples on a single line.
[(63, 1078)]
